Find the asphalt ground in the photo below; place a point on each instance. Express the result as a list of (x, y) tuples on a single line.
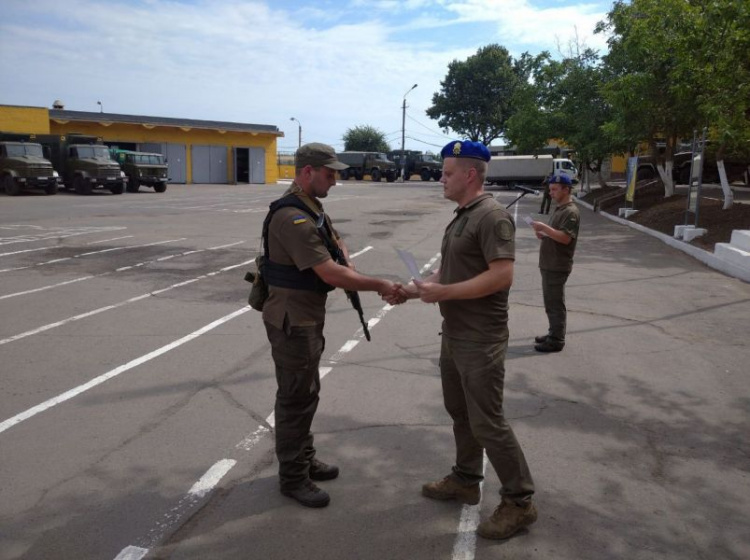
[(137, 390)]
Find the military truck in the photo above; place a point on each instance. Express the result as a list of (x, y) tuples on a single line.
[(427, 166), (142, 168), (375, 164), (528, 170), (84, 163), (23, 166)]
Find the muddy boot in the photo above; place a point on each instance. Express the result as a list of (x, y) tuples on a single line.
[(450, 489), (507, 520), (320, 471), (308, 495)]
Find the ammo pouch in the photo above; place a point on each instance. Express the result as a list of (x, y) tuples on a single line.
[(259, 291)]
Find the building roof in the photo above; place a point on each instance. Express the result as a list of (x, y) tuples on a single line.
[(88, 116)]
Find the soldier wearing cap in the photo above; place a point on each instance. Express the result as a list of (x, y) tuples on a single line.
[(471, 287), (301, 272), (556, 260)]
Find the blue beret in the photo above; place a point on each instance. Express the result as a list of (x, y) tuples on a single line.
[(466, 149), (560, 180)]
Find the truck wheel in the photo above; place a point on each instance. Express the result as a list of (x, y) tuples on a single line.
[(425, 175), (81, 186), (344, 174), (10, 186), (358, 174), (436, 175), (119, 188), (375, 175), (51, 188), (391, 177), (160, 187), (133, 184)]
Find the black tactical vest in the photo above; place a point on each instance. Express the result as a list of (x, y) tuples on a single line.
[(289, 276)]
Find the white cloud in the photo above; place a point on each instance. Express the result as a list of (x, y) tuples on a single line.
[(332, 66)]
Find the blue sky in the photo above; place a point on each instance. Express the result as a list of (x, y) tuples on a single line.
[(330, 64)]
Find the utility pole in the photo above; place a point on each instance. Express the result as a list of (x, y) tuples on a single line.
[(403, 134), (299, 138), (101, 107)]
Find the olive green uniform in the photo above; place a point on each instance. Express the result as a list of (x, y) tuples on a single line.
[(555, 264), (294, 322), (474, 343)]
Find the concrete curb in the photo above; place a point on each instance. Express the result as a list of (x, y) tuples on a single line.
[(709, 259)]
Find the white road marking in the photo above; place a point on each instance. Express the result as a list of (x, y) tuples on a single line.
[(61, 233), (46, 405), (94, 253), (132, 553), (208, 481), (108, 240), (121, 269), (465, 545), (120, 304), (358, 253), (47, 287)]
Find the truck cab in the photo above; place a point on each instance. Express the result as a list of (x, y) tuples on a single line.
[(143, 168), (24, 167)]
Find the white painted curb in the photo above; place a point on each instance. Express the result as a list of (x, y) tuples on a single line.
[(709, 259)]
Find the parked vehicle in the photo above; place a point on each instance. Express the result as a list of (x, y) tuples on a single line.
[(374, 164), (84, 163), (23, 166), (527, 170), (427, 166), (142, 168)]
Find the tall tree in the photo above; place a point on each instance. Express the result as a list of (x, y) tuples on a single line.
[(365, 138), (476, 95), (646, 92)]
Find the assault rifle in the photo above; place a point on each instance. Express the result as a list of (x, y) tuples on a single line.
[(338, 254)]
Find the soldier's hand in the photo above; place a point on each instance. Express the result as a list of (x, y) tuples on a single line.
[(430, 292)]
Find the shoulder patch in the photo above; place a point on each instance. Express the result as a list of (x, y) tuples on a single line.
[(504, 230), (299, 219)]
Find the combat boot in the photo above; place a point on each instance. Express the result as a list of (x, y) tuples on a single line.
[(507, 520), (540, 339), (549, 346), (308, 495), (450, 489), (320, 471)]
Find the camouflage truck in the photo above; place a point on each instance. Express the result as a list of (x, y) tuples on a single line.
[(375, 164), (427, 166), (143, 168), (23, 166), (84, 163)]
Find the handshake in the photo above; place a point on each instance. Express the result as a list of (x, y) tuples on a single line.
[(397, 293)]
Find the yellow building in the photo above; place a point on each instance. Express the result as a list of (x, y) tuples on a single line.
[(197, 151)]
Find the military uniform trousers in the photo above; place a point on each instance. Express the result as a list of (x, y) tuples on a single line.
[(553, 291), (296, 355), (473, 374)]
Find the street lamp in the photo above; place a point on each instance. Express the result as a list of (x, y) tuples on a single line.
[(101, 107), (403, 134), (299, 141)]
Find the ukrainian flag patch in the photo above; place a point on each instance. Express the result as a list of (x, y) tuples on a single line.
[(299, 219)]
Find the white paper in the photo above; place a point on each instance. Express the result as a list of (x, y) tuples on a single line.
[(410, 263), (528, 220)]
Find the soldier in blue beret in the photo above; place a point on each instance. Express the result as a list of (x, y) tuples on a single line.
[(558, 244), (471, 288)]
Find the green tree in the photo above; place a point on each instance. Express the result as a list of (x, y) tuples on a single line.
[(365, 138), (652, 98), (476, 96)]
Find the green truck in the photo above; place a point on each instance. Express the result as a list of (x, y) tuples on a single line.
[(375, 164), (143, 168), (84, 163), (427, 166), (23, 166)]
